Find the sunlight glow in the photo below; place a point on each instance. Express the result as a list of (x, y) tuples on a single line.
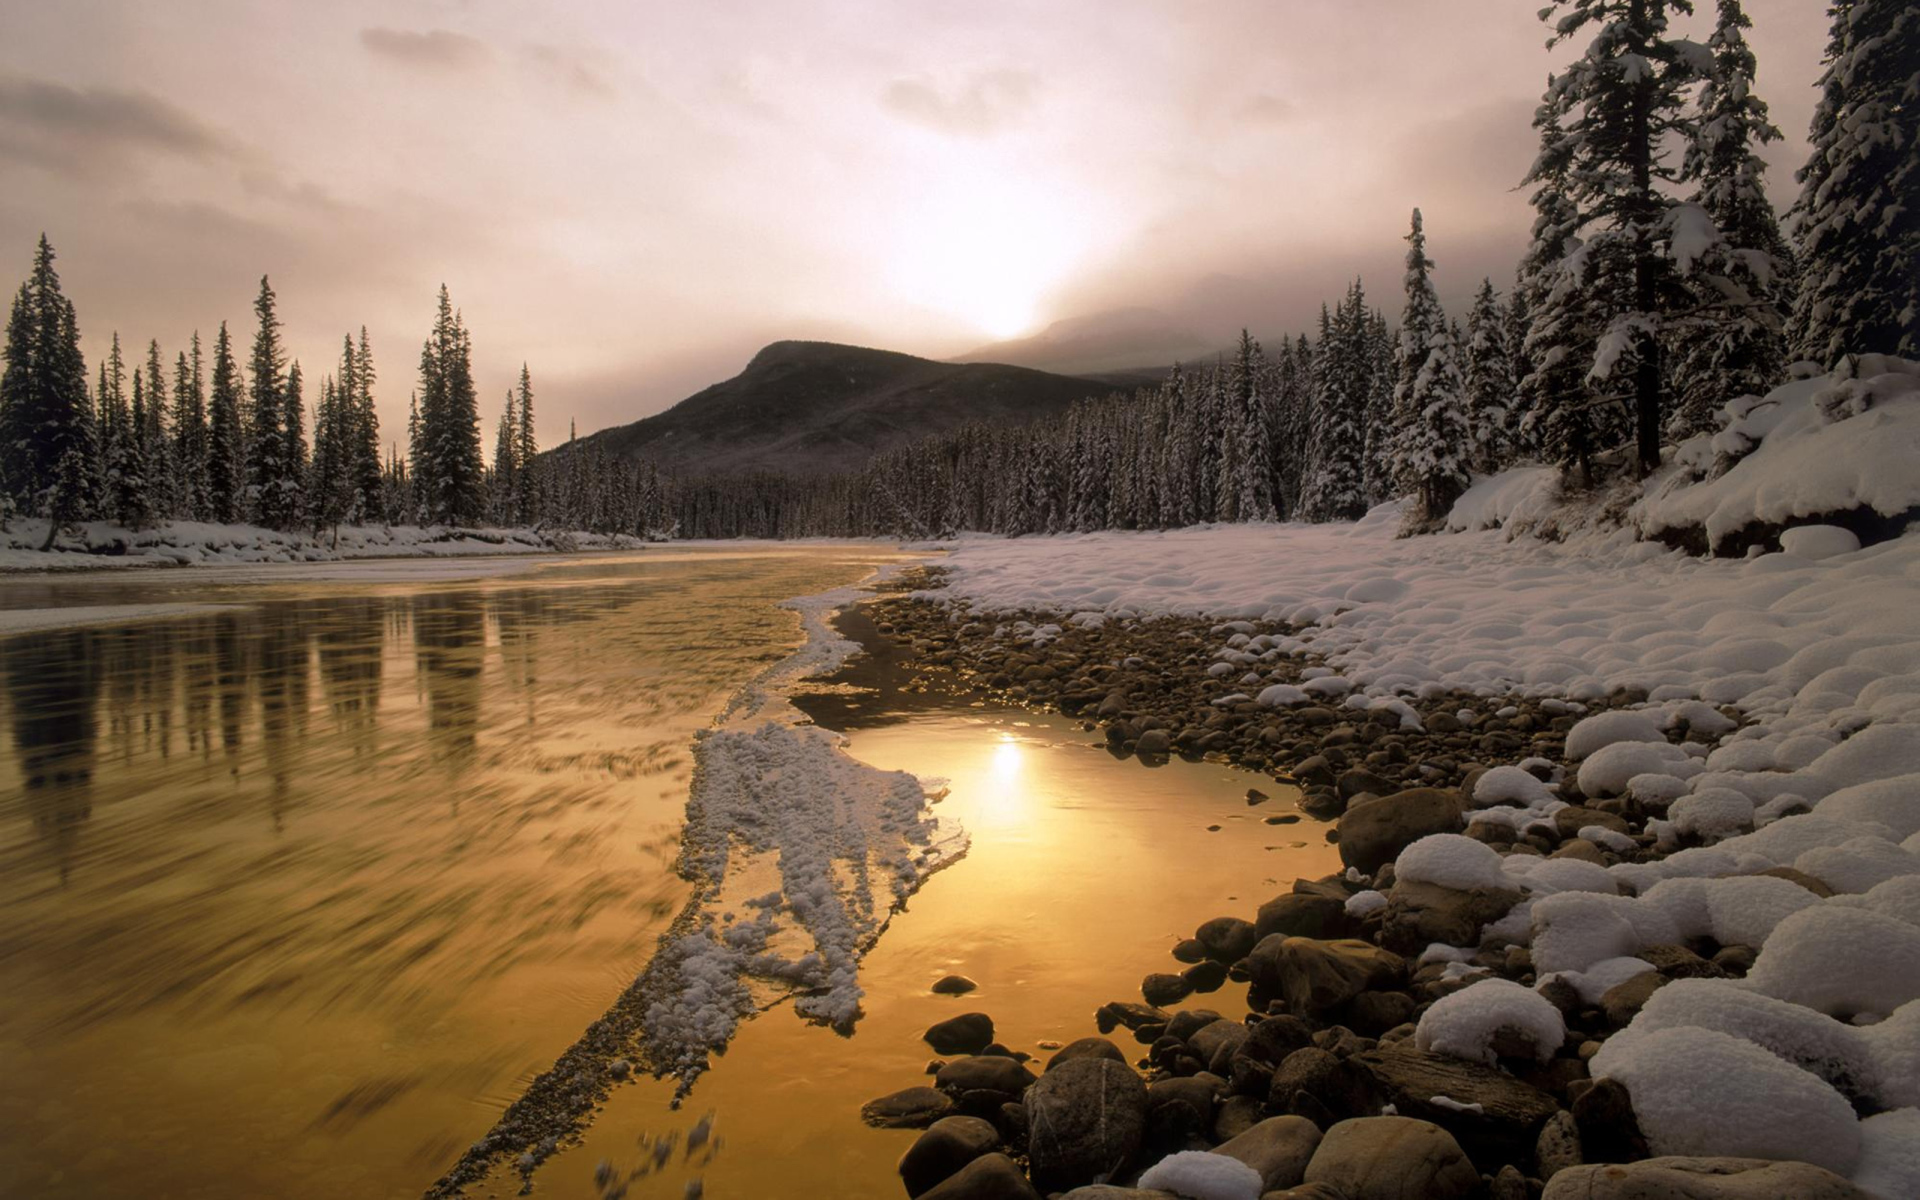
[(1007, 760)]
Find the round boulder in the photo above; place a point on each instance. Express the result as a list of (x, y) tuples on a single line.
[(1084, 1122), (1392, 1158)]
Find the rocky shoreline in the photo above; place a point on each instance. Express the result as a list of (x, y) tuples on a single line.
[(1348, 1076)]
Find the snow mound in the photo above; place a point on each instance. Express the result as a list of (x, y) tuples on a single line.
[(1889, 1165), (1840, 960), (1203, 1175), (1509, 785), (1608, 728), (1894, 803), (1611, 768), (1702, 1092), (1465, 1023), (1833, 1051), (1451, 860)]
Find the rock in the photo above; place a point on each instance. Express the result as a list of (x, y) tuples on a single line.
[(1337, 1086), (1506, 1128), (1583, 850), (1132, 1016), (1271, 1039), (989, 1177), (1735, 960), (1106, 1191), (1189, 951), (1216, 1039), (1700, 1179), (1609, 1132), (1678, 962), (1374, 834), (1558, 1146), (913, 1108), (1205, 976), (1374, 1012), (1623, 1001), (1419, 914), (1308, 1191), (1189, 1022), (1301, 915), (1153, 741), (968, 1033), (954, 985), (948, 1145), (1087, 1047), (1227, 939), (1570, 821), (1313, 977), (1084, 1121), (1236, 1115), (1278, 1147), (1162, 990), (1197, 1092), (1353, 783), (1004, 1077), (1817, 886), (1392, 1158)]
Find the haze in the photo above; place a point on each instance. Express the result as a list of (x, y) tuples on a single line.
[(633, 197)]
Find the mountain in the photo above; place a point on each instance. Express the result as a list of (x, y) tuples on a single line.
[(1119, 339), (815, 407)]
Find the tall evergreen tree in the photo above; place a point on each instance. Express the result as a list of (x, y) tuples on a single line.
[(1429, 404), (1490, 382), (1625, 100), (226, 437), (1858, 234), (191, 435), (369, 487), (1334, 486), (527, 455), (45, 417), (270, 471), (1742, 283), (451, 470), (506, 475)]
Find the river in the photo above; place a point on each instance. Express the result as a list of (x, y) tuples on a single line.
[(304, 877)]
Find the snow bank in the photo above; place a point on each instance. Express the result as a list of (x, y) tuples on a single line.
[(1466, 1023), (1451, 860)]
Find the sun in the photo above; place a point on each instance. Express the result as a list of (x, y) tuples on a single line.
[(987, 253)]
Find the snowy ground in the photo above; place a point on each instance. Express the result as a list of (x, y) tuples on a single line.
[(101, 544)]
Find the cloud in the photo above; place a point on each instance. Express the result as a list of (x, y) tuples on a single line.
[(434, 50), (80, 131), (570, 69), (987, 103), (1264, 109)]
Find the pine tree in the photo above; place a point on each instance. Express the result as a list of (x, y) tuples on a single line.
[(1490, 382), (190, 435), (527, 455), (1625, 100), (1250, 474), (164, 485), (451, 469), (269, 468), (331, 495), (281, 500), (1518, 324), (226, 438), (1333, 490), (1429, 404), (1858, 233), (506, 475), (130, 501), (45, 417), (1741, 284), (370, 492)]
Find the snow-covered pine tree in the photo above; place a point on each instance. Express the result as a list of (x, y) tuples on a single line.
[(1625, 100), (45, 416), (190, 434), (450, 468), (226, 437), (1429, 402), (129, 498), (1519, 322), (506, 478), (267, 465), (164, 485), (329, 484), (526, 452), (281, 499), (1737, 345), (1856, 220), (370, 492), (1379, 346), (1560, 420), (1333, 487), (1490, 383)]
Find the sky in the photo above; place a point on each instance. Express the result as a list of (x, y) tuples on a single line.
[(631, 197)]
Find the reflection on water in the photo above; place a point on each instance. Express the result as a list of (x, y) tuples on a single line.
[(297, 893)]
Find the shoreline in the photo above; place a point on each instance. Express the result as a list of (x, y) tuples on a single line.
[(1345, 969)]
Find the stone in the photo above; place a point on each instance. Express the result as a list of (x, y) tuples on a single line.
[(1087, 1047), (1570, 821), (1235, 1116), (1678, 962), (1623, 1001), (1392, 1158), (1308, 1191), (1153, 741), (968, 1033), (1106, 1191), (1313, 977), (1339, 1087), (912, 1108), (1355, 782), (1301, 915), (1507, 1184), (1735, 960), (1271, 1039), (1205, 976), (1677, 1178), (1189, 950), (1609, 1132), (1198, 1092), (948, 1145), (1818, 887), (1217, 1041), (1374, 834), (1161, 990), (1227, 939), (1374, 1012), (1507, 1126), (989, 1177), (1419, 914), (1133, 1016), (1278, 1147), (1005, 1077), (1189, 1022), (954, 985), (1084, 1121), (1558, 1146)]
